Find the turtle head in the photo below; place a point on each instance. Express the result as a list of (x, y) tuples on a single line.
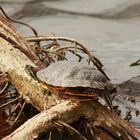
[(32, 68), (31, 71)]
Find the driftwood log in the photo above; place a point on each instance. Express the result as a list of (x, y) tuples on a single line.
[(15, 54)]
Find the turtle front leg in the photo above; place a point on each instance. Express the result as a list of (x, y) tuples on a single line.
[(108, 100)]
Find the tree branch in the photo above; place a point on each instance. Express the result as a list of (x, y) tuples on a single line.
[(70, 111)]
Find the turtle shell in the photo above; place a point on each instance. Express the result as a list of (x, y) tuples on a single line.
[(74, 76), (78, 79)]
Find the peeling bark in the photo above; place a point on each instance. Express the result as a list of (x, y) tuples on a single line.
[(13, 61), (70, 111)]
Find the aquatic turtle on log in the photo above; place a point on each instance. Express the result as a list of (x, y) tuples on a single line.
[(76, 79)]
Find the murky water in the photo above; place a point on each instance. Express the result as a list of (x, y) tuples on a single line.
[(102, 26), (110, 28)]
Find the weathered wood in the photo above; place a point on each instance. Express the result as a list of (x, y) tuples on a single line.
[(13, 61), (70, 111)]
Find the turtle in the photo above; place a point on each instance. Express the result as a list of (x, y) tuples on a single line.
[(76, 79)]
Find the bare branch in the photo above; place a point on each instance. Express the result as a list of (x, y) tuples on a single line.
[(95, 60)]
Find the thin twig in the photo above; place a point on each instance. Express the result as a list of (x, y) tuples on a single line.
[(6, 94), (71, 128), (68, 47), (20, 22), (50, 136), (10, 102), (135, 63), (19, 113), (7, 29), (95, 60), (28, 53), (4, 129), (2, 74), (79, 56), (13, 111), (5, 86), (46, 51), (17, 21)]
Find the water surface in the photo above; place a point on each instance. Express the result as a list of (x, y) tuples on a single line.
[(110, 28)]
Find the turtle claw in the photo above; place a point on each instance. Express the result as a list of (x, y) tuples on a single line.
[(128, 116), (132, 99), (137, 113), (117, 110)]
